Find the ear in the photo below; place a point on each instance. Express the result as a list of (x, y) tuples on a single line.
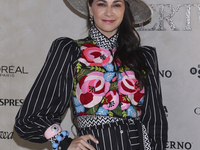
[(90, 9)]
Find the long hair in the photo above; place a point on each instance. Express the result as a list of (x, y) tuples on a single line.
[(129, 51)]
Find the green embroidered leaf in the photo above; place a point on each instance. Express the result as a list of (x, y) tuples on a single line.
[(135, 107), (106, 100), (121, 69), (90, 41), (78, 67), (78, 63), (127, 68), (118, 111), (124, 114), (74, 93), (91, 68), (83, 72), (123, 98), (128, 98), (103, 70), (113, 86), (96, 68), (80, 43), (93, 110), (94, 42), (110, 113), (103, 100), (74, 81)]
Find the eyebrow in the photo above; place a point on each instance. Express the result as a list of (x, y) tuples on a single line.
[(113, 2)]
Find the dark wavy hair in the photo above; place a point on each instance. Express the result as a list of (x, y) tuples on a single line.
[(129, 51)]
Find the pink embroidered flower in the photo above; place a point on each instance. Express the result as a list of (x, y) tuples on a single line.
[(111, 100), (128, 85), (124, 102), (91, 89), (136, 97), (95, 56)]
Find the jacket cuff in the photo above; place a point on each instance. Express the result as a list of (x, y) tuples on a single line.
[(65, 143)]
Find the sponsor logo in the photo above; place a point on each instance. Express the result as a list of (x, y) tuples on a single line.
[(179, 145), (6, 135), (165, 15), (11, 102), (197, 111), (10, 71), (195, 71), (165, 73)]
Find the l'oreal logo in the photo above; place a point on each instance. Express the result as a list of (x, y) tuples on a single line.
[(10, 71)]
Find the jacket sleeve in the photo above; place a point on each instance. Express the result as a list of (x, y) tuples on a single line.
[(153, 114), (50, 94)]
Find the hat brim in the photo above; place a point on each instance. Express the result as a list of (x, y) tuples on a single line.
[(140, 10)]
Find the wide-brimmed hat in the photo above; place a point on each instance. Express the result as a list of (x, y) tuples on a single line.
[(140, 10)]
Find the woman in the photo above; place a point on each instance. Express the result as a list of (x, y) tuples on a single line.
[(114, 83)]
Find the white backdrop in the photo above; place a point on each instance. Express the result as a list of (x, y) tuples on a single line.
[(28, 27)]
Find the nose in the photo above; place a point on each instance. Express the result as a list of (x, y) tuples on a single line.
[(108, 11)]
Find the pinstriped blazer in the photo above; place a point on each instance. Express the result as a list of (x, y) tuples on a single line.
[(50, 95), (153, 115)]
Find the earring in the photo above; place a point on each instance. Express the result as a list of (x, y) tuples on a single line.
[(91, 28), (91, 20)]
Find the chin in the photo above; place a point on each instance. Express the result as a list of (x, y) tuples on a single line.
[(109, 29)]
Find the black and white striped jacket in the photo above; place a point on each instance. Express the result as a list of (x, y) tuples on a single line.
[(50, 95)]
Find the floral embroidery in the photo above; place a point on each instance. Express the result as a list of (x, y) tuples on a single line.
[(109, 67), (79, 107), (100, 90), (125, 103), (91, 89), (95, 56), (128, 85), (131, 112), (102, 111), (111, 100)]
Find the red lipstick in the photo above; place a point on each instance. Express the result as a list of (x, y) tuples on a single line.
[(108, 21)]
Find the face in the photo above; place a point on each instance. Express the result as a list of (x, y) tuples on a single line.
[(108, 15)]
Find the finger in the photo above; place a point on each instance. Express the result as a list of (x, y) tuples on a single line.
[(82, 146), (93, 138), (86, 144)]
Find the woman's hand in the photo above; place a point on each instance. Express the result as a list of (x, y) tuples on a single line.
[(80, 143)]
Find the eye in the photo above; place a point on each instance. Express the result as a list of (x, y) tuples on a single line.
[(101, 4), (117, 5)]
